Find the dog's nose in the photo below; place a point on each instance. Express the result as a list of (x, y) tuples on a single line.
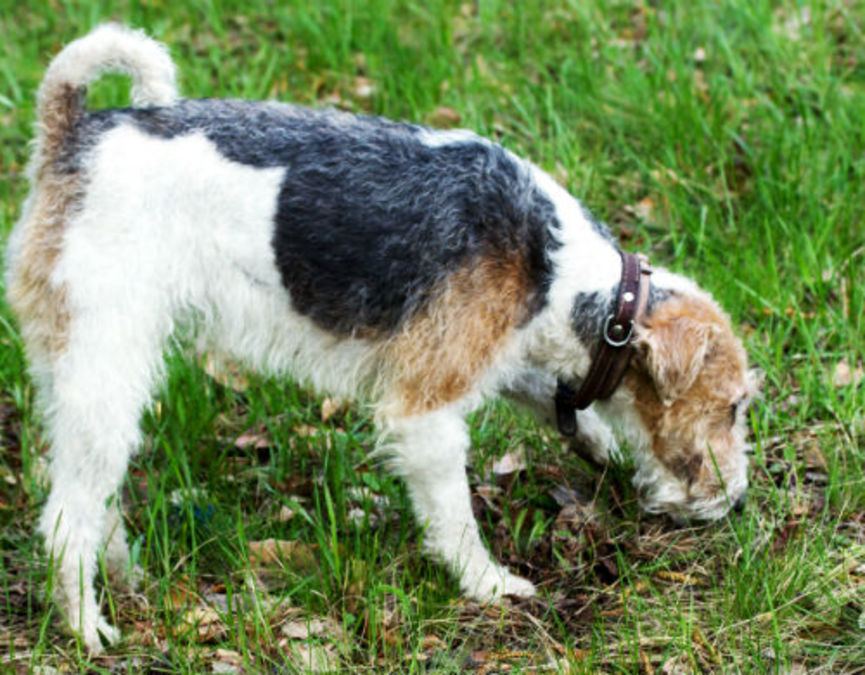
[(739, 504)]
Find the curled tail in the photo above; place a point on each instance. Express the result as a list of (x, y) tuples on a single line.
[(110, 47)]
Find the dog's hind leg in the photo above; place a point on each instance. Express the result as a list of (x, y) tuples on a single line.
[(429, 451), (121, 571), (100, 383)]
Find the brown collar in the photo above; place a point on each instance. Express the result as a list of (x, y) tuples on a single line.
[(614, 351)]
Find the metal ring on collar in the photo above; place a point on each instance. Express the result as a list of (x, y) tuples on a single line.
[(612, 341)]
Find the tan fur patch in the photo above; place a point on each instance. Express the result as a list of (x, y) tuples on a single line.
[(60, 105), (440, 353), (40, 305), (700, 414)]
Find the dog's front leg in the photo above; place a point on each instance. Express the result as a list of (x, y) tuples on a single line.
[(534, 390), (429, 451)]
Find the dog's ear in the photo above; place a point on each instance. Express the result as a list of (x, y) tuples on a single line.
[(673, 349)]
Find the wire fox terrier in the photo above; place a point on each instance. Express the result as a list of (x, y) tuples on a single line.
[(418, 270)]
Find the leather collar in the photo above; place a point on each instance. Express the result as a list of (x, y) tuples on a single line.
[(614, 350)]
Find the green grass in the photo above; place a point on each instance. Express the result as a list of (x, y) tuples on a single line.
[(724, 139)]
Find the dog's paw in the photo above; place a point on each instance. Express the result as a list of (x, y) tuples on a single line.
[(595, 438), (127, 579), (100, 632), (497, 582), (519, 587)]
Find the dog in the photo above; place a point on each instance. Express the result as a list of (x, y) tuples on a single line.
[(418, 270)]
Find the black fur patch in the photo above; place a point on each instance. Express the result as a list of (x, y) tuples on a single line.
[(590, 310), (370, 218)]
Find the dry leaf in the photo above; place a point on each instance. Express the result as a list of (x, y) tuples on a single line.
[(811, 452), (329, 407), (444, 117), (357, 516), (225, 371), (566, 496), (257, 438), (677, 665), (643, 210), (432, 642), (305, 430), (205, 621), (678, 578), (363, 87), (303, 628), (510, 462), (844, 376), (282, 553), (181, 594), (793, 25), (313, 658)]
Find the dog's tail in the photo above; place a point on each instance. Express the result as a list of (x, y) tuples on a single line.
[(109, 47)]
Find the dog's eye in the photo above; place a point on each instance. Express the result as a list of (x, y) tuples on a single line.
[(735, 407)]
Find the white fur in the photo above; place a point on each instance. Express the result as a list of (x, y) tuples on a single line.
[(585, 262), (438, 138), (430, 452), (116, 48)]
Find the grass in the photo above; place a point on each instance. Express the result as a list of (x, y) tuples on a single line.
[(724, 139)]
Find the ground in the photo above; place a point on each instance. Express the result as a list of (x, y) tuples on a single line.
[(723, 139)]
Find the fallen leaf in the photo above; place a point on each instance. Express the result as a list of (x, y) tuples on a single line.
[(678, 578), (814, 458), (205, 621), (181, 594), (313, 658), (329, 407), (444, 117), (303, 628), (363, 87), (257, 438), (566, 496), (793, 25), (643, 210), (677, 665), (224, 370), (228, 657), (844, 376), (510, 462), (646, 663), (282, 553), (575, 517), (431, 643)]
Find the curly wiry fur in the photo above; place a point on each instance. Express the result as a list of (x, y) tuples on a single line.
[(417, 270)]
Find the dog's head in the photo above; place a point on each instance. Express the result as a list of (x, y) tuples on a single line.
[(689, 387)]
